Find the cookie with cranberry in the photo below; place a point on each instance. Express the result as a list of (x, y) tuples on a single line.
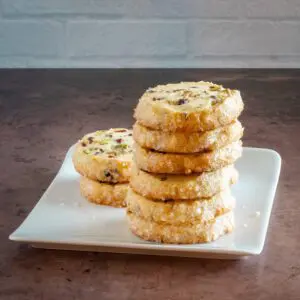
[(188, 107), (181, 142), (105, 155), (183, 163), (182, 187), (181, 234), (176, 212), (112, 194)]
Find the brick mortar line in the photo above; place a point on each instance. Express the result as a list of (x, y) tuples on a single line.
[(126, 19), (151, 57)]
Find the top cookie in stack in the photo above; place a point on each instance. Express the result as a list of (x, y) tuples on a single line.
[(187, 138), (188, 107), (103, 159)]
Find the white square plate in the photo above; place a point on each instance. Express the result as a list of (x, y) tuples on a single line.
[(62, 219)]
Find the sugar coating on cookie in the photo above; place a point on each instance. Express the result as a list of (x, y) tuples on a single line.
[(182, 187), (178, 212), (104, 193), (182, 163), (183, 233), (181, 142)]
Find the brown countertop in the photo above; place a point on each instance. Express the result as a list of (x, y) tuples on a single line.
[(43, 112)]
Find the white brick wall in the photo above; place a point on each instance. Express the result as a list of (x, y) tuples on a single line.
[(130, 39), (31, 38), (149, 33), (251, 37)]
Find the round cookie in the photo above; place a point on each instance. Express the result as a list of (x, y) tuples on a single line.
[(181, 234), (188, 106), (176, 163), (105, 155), (180, 142), (104, 193), (180, 212), (182, 187)]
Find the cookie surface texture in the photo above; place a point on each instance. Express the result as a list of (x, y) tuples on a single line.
[(180, 212), (181, 142), (105, 155), (104, 193), (180, 187), (177, 163), (181, 234), (188, 106)]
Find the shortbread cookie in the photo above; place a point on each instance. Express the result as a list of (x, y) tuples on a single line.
[(174, 163), (188, 106), (180, 212), (104, 193), (181, 142), (181, 234), (182, 187), (105, 155)]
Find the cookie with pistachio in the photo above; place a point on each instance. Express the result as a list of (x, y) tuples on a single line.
[(182, 187), (188, 106), (183, 233), (201, 210), (183, 163), (112, 194), (105, 155), (180, 142)]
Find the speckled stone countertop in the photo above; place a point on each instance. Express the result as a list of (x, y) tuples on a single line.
[(43, 112)]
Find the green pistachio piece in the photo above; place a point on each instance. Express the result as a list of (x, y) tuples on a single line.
[(104, 141)]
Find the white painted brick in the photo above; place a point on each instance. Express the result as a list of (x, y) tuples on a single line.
[(150, 33), (31, 38), (200, 62), (94, 38), (244, 38), (156, 8), (271, 9), (185, 8), (60, 7)]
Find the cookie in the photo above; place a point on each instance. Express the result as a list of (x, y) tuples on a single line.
[(188, 107), (105, 155), (182, 187), (104, 193), (178, 212), (183, 233), (176, 163), (181, 142)]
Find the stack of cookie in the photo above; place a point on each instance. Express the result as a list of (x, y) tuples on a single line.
[(104, 158), (187, 138)]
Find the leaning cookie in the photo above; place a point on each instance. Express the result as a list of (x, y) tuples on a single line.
[(183, 233), (188, 106), (176, 212), (181, 187), (174, 163), (104, 193), (181, 142), (105, 155)]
